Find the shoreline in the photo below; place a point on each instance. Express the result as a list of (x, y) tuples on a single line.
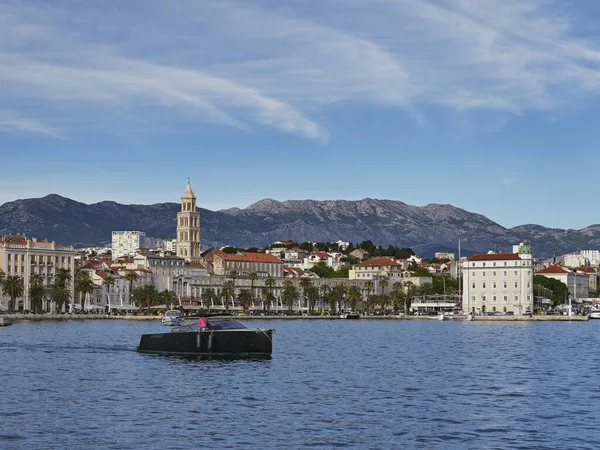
[(84, 317)]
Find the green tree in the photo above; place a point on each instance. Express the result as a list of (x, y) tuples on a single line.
[(228, 292), (131, 277), (290, 294), (83, 286), (145, 296), (37, 293), (322, 270), (312, 295), (14, 287), (168, 298), (383, 282), (63, 277), (270, 283), (252, 276), (209, 296), (353, 297), (560, 291), (325, 291), (246, 299), (109, 282), (369, 286)]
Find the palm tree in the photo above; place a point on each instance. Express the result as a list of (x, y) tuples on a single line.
[(369, 286), (36, 292), (325, 289), (83, 285), (290, 294), (146, 295), (228, 291), (252, 276), (131, 277), (312, 296), (246, 298), (14, 287), (63, 277), (336, 297), (268, 297), (383, 282), (168, 297), (270, 283), (208, 295), (306, 284), (353, 297), (109, 282)]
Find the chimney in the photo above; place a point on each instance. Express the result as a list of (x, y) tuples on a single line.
[(554, 258)]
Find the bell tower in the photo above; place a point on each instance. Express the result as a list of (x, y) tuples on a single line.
[(188, 227)]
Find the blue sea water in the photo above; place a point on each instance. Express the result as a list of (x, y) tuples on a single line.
[(361, 384)]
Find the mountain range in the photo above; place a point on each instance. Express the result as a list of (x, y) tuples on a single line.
[(426, 229)]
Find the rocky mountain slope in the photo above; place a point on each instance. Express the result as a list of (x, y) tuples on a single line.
[(425, 229)]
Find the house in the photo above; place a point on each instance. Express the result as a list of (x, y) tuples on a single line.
[(380, 266), (499, 282), (359, 253)]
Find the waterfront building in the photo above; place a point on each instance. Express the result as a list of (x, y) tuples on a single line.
[(24, 257), (188, 227), (378, 267), (263, 264), (577, 281), (499, 282), (127, 242)]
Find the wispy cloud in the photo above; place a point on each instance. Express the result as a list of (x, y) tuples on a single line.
[(10, 123), (250, 64)]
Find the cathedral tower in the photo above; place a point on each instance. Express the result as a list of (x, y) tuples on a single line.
[(188, 227)]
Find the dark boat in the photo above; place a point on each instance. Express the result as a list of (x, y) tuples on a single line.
[(350, 315), (4, 323), (218, 338)]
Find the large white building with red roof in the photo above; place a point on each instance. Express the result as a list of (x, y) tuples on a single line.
[(577, 280), (499, 282)]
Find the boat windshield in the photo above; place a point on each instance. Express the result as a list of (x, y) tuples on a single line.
[(173, 313), (225, 325)]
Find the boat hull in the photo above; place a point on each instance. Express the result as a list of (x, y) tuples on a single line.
[(244, 342), (595, 315)]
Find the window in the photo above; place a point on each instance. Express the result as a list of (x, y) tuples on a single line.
[(505, 263), (505, 273), (494, 298), (473, 264), (484, 274), (483, 264), (505, 285), (516, 298), (484, 284), (473, 299), (473, 285), (528, 284), (494, 264), (483, 298), (505, 299), (493, 274), (516, 284), (528, 272), (494, 285), (516, 273), (473, 273)]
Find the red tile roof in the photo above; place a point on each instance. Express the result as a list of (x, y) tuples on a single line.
[(252, 257), (196, 265), (586, 269), (554, 268), (101, 274), (378, 261), (321, 255), (495, 257)]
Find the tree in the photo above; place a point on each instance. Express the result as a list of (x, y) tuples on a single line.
[(420, 272), (13, 286), (369, 286), (560, 291), (209, 296), (228, 292), (336, 297), (83, 285), (290, 294), (322, 270), (109, 282), (145, 296), (271, 284), (168, 298), (252, 276), (37, 293), (246, 299), (325, 290), (383, 282), (353, 296), (398, 296), (131, 277), (63, 277), (312, 295)]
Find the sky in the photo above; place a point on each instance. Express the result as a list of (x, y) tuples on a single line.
[(488, 105)]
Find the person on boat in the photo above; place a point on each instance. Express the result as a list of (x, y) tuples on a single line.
[(202, 323)]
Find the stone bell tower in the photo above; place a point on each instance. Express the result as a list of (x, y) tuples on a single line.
[(188, 227)]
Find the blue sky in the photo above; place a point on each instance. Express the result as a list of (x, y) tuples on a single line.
[(490, 106)]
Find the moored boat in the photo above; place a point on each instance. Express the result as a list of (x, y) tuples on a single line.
[(4, 322), (350, 315), (217, 338), (595, 314), (173, 318)]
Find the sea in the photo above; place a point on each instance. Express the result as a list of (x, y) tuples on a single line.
[(367, 384)]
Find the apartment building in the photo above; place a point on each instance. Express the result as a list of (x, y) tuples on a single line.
[(127, 242)]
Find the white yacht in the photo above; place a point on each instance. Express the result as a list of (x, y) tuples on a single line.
[(173, 318), (595, 314)]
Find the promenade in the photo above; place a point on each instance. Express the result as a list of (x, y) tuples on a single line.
[(68, 317)]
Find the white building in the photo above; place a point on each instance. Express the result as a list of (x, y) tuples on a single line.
[(24, 257), (593, 256), (444, 255), (170, 246), (499, 282), (578, 283), (127, 242)]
